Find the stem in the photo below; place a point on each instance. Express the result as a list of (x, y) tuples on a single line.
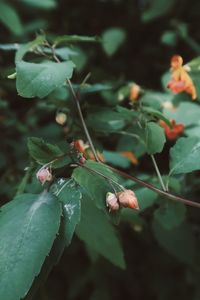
[(155, 189), (158, 173), (82, 120)]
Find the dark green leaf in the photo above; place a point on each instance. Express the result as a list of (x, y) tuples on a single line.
[(170, 214), (96, 231), (179, 241), (112, 39), (44, 152), (28, 227), (156, 9)]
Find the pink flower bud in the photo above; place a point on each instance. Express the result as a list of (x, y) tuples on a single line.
[(112, 202), (44, 175), (128, 198)]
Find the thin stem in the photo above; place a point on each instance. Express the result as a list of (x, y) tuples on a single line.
[(82, 120), (158, 173), (155, 189)]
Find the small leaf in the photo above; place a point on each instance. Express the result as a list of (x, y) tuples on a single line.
[(75, 39), (184, 156), (112, 39), (28, 227), (157, 114), (154, 138), (44, 152), (96, 231), (10, 18), (70, 195), (23, 49), (170, 214), (39, 80)]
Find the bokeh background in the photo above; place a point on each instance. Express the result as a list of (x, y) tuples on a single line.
[(152, 31)]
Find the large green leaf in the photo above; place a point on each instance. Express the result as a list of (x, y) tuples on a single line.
[(170, 214), (112, 39), (10, 18), (28, 227), (39, 80), (70, 195), (96, 231), (179, 241), (154, 138), (184, 156), (44, 152)]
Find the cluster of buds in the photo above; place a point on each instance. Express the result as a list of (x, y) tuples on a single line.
[(126, 198), (44, 175), (173, 132), (180, 80)]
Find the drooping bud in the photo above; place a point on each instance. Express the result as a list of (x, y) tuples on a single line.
[(134, 92), (112, 202), (128, 199), (61, 118), (44, 175)]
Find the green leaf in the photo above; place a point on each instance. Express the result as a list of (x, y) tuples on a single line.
[(75, 39), (112, 39), (39, 80), (10, 18), (180, 241), (154, 138), (107, 120), (45, 4), (170, 214), (96, 231), (146, 198), (184, 155), (156, 9), (44, 152), (28, 227), (70, 195), (23, 49), (157, 114)]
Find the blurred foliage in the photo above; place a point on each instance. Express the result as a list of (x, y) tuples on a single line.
[(151, 254)]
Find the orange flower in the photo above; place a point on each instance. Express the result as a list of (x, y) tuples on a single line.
[(174, 132), (180, 80), (134, 92)]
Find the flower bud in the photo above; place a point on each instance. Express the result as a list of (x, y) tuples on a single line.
[(44, 175), (128, 198), (61, 118), (112, 202)]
